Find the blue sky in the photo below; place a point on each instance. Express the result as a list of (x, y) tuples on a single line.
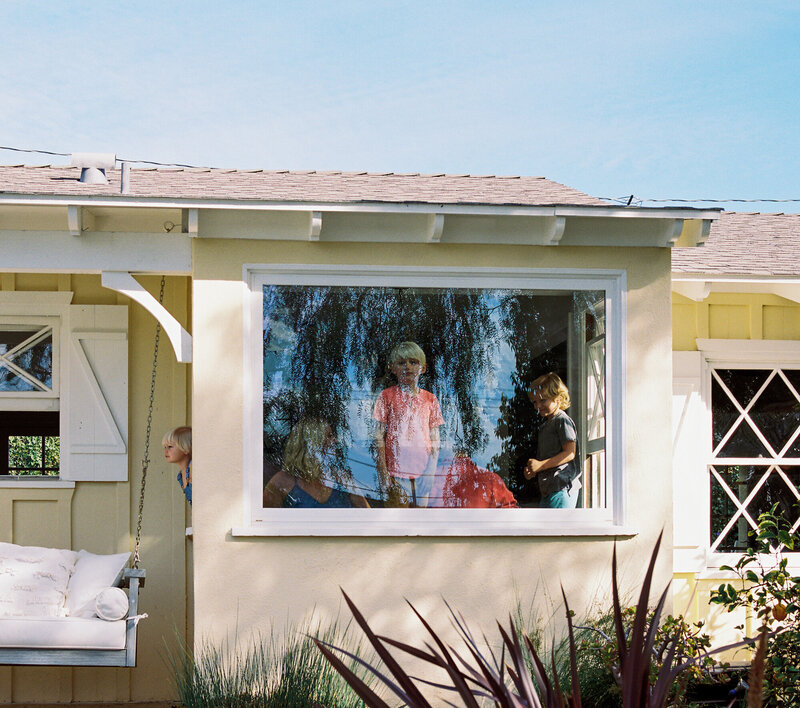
[(658, 99)]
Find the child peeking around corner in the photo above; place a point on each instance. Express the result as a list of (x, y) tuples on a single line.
[(178, 450), (555, 465), (407, 431)]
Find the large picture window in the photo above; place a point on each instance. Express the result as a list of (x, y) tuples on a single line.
[(414, 392)]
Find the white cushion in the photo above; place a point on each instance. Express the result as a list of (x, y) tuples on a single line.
[(111, 604), (61, 633), (92, 574), (34, 580)]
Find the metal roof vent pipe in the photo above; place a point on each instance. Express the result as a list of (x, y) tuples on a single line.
[(93, 165), (125, 178)]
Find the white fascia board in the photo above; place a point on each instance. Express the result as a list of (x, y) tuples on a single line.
[(391, 207), (725, 279), (94, 252)]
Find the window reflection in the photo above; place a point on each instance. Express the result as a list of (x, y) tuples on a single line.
[(449, 425)]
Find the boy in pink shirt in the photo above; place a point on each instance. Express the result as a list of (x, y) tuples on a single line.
[(407, 431)]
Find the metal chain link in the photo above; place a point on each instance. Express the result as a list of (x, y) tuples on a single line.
[(146, 459)]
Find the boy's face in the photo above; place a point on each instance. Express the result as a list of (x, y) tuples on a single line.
[(173, 454), (407, 370), (545, 407)]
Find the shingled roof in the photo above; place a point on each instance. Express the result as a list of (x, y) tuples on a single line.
[(287, 186), (745, 244)]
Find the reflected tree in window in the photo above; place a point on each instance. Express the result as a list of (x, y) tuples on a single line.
[(326, 351)]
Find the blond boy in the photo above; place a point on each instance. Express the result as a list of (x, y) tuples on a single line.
[(555, 464), (407, 431)]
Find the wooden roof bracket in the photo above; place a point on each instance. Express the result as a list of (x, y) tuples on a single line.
[(697, 290), (125, 283), (315, 225), (555, 230), (79, 219), (190, 222), (435, 228)]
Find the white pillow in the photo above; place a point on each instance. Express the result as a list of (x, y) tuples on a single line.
[(92, 574), (33, 580), (111, 604)]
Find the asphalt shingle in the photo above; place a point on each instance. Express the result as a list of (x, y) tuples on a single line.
[(291, 186), (745, 244)]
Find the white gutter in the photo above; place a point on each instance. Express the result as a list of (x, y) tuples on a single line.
[(610, 211)]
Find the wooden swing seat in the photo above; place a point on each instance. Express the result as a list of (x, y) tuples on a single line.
[(132, 578)]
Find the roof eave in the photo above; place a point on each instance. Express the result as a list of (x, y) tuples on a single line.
[(510, 209)]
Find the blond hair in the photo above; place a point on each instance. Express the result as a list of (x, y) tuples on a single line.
[(551, 386), (407, 350), (181, 437), (305, 448)]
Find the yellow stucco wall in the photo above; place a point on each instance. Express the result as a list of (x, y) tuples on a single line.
[(247, 584), (755, 316), (101, 516)]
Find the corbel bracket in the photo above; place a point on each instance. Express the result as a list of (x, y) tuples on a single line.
[(697, 290), (79, 219), (190, 221), (126, 284), (435, 228), (315, 226), (555, 231), (674, 232)]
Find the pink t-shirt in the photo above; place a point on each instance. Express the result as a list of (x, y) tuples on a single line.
[(408, 419)]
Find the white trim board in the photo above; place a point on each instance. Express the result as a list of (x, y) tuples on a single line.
[(257, 521)]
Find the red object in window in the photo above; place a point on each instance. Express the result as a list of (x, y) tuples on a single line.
[(467, 486)]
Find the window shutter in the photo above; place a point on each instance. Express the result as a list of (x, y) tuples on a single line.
[(690, 431), (94, 394)]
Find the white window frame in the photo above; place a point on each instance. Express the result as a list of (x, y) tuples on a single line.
[(725, 354), (98, 461), (258, 521), (36, 400)]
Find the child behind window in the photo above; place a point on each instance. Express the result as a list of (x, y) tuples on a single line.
[(555, 465), (407, 431)]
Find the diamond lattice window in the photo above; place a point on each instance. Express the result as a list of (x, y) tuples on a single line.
[(26, 359), (755, 426)]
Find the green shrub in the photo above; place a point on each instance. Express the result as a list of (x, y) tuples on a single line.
[(773, 595), (269, 673)]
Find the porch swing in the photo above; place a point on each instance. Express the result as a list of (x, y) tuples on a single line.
[(101, 640)]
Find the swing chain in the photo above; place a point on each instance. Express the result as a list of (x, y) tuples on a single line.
[(146, 459)]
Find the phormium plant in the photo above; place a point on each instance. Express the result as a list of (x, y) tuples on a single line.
[(476, 674)]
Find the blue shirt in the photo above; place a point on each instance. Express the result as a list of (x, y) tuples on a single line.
[(187, 490)]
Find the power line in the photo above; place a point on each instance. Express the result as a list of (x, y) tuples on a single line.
[(39, 152), (637, 201), (119, 159), (165, 164)]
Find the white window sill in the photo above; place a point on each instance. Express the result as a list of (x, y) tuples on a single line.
[(377, 528), (35, 483)]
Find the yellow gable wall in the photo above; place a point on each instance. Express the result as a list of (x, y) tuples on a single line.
[(247, 584), (733, 316), (725, 316), (101, 516)]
